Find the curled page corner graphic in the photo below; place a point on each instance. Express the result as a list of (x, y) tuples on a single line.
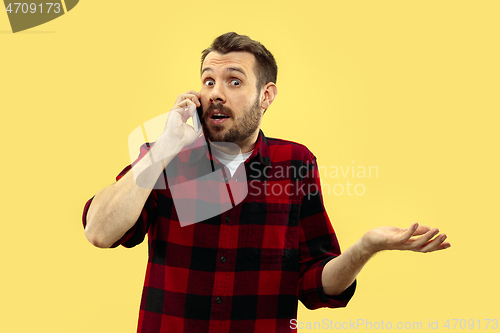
[(25, 15)]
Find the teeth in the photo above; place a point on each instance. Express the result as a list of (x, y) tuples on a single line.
[(219, 116)]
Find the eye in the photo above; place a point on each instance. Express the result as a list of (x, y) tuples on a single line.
[(235, 82), (209, 82)]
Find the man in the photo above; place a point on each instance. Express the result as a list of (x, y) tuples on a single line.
[(245, 269)]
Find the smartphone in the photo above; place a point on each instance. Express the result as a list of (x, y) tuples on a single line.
[(196, 118)]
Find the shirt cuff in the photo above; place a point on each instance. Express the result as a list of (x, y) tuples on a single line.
[(343, 297), (123, 240), (312, 294)]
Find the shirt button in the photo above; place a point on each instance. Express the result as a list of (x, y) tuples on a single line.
[(236, 180), (218, 300), (223, 259), (228, 219)]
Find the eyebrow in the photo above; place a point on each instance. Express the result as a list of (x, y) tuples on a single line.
[(229, 69)]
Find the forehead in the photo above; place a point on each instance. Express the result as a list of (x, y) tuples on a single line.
[(241, 60)]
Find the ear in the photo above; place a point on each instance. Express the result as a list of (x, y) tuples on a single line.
[(269, 92)]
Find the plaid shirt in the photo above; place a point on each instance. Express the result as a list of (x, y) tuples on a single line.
[(245, 269)]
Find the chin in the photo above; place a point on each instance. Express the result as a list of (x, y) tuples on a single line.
[(215, 135)]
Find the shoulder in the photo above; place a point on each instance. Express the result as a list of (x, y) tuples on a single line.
[(285, 149)]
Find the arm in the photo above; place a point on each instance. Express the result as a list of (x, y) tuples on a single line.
[(115, 209), (340, 272), (318, 245)]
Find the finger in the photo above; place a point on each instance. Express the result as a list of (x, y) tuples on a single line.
[(409, 232), (422, 229), (192, 98), (195, 99), (191, 95), (434, 244), (184, 103), (443, 246), (192, 92), (423, 239), (186, 109)]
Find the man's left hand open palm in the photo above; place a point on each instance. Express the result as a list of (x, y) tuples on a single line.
[(415, 238)]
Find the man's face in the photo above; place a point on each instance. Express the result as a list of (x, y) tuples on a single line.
[(231, 103)]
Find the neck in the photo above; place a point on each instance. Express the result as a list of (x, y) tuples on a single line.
[(249, 143), (243, 147)]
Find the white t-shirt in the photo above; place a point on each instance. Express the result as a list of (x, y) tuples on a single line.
[(231, 161)]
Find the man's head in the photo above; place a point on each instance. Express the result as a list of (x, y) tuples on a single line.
[(265, 68), (238, 78)]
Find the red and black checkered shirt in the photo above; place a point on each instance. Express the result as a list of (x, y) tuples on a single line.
[(245, 269)]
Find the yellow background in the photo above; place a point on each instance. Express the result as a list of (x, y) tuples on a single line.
[(409, 87)]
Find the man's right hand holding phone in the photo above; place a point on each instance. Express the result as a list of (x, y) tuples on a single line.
[(177, 133)]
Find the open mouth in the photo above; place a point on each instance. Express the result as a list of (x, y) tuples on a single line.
[(218, 116)]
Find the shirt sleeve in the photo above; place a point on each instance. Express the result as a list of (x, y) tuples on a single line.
[(318, 245), (136, 234)]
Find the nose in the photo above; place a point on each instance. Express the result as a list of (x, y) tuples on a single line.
[(217, 94)]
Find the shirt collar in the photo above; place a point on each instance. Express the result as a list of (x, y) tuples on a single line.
[(261, 150)]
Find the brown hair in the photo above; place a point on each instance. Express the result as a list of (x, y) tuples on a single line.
[(265, 68)]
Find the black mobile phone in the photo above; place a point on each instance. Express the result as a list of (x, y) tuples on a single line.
[(197, 117)]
